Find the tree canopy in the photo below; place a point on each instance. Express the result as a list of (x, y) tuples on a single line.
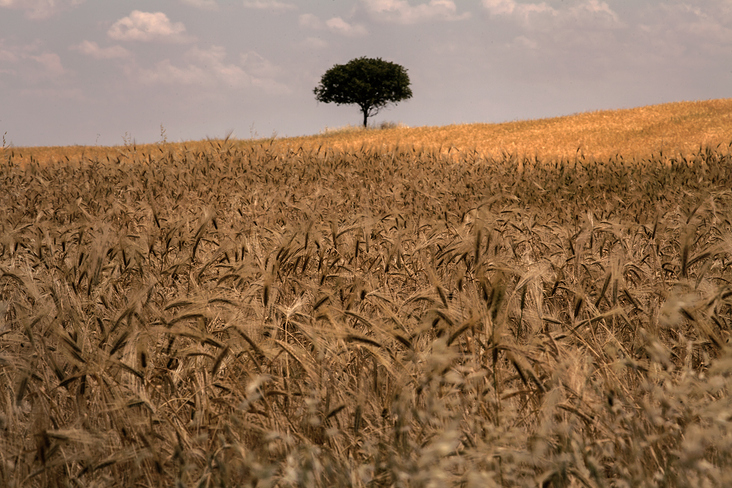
[(367, 82)]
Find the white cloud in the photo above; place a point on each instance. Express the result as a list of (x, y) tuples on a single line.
[(51, 62), (202, 4), (500, 7), (595, 6), (514, 8), (92, 49), (27, 59), (401, 12), (256, 65), (310, 21), (336, 25), (210, 64), (8, 55), (313, 43), (712, 24), (273, 5), (690, 30), (166, 73), (525, 42), (15, 53), (40, 9), (596, 13), (593, 13), (147, 26), (340, 26), (209, 68)]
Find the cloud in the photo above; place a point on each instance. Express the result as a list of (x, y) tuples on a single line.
[(596, 7), (147, 26), (273, 5), (8, 55), (40, 9), (500, 7), (202, 4), (258, 66), (209, 68), (51, 63), (688, 32), (310, 21), (541, 15), (525, 42), (166, 73), (711, 24), (14, 53), (336, 25), (401, 12), (25, 61), (340, 26), (213, 60), (92, 49), (313, 43), (518, 10)]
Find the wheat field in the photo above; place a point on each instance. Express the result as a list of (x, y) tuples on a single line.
[(270, 315), (678, 129)]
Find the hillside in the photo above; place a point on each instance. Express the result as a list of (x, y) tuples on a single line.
[(674, 128), (636, 133)]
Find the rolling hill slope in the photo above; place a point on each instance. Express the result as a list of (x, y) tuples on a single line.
[(636, 133), (673, 128)]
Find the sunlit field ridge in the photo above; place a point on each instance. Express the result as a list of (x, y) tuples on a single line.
[(679, 128), (675, 128)]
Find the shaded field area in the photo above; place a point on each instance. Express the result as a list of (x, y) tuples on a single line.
[(672, 130), (236, 316)]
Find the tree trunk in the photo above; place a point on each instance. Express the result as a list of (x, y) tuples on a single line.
[(365, 116)]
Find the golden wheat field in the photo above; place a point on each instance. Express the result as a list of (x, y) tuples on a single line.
[(678, 129), (267, 314)]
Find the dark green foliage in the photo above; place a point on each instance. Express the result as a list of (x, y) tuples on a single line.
[(369, 83)]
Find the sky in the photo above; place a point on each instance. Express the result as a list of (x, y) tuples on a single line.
[(100, 72)]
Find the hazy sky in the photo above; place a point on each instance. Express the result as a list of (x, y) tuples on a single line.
[(102, 72)]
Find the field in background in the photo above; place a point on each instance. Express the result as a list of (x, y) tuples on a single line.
[(674, 128), (253, 314)]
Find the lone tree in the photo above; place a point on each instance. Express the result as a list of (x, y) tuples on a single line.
[(369, 83)]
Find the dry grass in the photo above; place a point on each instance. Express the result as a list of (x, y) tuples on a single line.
[(251, 316), (678, 129), (674, 129)]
